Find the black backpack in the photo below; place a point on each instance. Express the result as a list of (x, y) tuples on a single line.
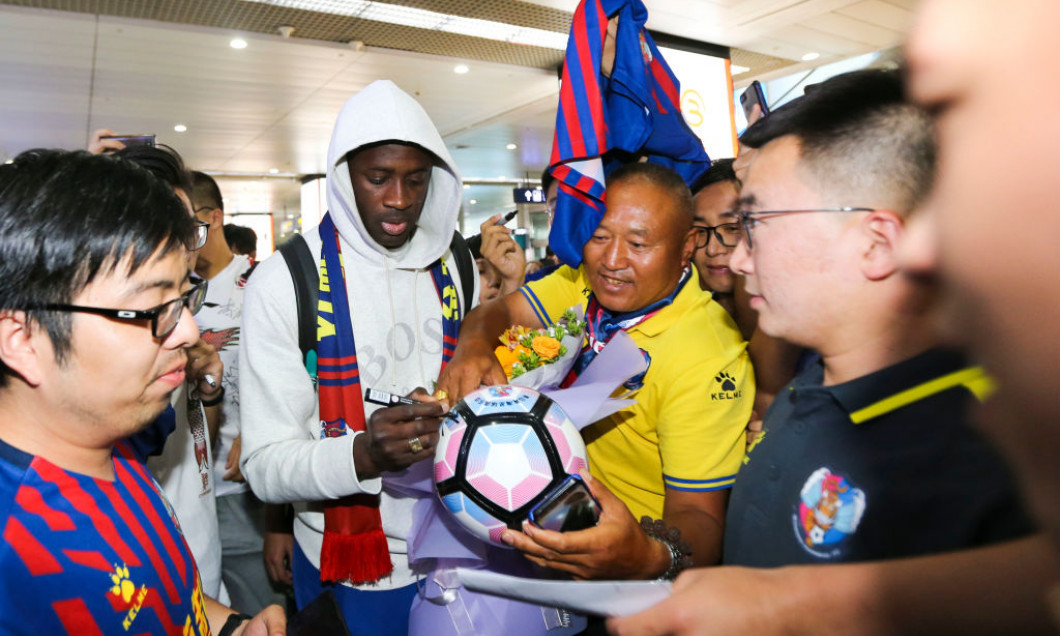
[(306, 277)]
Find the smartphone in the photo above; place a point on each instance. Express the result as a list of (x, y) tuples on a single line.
[(569, 507), (133, 140), (375, 396), (754, 95)]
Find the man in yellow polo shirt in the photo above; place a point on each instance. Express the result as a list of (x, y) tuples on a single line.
[(674, 454)]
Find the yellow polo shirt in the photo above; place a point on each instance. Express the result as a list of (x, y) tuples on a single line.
[(686, 431)]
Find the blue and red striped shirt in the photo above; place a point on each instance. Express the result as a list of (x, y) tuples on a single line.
[(83, 555)]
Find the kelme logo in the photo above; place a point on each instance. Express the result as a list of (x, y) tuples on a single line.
[(726, 387)]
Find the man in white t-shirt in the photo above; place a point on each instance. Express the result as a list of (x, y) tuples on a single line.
[(240, 515)]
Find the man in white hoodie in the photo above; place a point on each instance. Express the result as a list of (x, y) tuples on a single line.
[(393, 195)]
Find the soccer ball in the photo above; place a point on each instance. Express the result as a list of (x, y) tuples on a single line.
[(501, 450)]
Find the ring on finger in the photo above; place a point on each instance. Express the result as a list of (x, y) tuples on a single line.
[(415, 445)]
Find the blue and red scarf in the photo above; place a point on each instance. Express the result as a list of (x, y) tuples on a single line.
[(601, 325), (355, 547)]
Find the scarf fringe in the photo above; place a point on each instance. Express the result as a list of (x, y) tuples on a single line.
[(357, 558)]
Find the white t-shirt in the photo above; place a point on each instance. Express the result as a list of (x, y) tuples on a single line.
[(218, 322)]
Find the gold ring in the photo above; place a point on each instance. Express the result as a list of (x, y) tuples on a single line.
[(415, 445), (440, 394)]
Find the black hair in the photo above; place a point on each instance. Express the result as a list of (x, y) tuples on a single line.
[(546, 180), (66, 217), (162, 161), (720, 171), (858, 132), (659, 176), (474, 244), (205, 192), (240, 239)]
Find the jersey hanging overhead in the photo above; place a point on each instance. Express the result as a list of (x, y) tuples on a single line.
[(604, 122)]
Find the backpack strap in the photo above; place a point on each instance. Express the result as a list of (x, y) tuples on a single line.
[(306, 279), (465, 266)]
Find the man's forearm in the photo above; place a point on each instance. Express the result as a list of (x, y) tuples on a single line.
[(486, 322), (992, 590), (702, 531)]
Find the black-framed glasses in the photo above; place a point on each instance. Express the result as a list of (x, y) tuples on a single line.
[(748, 220), (164, 318), (202, 230), (728, 234)]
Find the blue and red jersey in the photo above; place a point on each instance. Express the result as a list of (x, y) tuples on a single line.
[(83, 555)]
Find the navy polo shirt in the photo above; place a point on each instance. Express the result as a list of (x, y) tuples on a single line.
[(880, 467)]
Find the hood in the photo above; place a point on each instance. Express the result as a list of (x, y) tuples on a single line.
[(383, 112)]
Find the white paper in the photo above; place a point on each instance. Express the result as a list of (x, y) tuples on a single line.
[(608, 598)]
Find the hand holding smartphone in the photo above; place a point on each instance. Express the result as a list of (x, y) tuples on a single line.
[(567, 508), (754, 94)]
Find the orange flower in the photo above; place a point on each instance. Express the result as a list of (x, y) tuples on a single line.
[(546, 347), (507, 358)]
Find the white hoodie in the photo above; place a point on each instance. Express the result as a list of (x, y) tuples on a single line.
[(397, 326)]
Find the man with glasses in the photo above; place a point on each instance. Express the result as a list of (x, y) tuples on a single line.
[(94, 339), (847, 468), (672, 455), (868, 456)]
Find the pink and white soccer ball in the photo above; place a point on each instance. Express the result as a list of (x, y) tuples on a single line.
[(501, 450)]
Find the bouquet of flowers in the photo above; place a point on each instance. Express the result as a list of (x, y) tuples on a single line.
[(538, 358)]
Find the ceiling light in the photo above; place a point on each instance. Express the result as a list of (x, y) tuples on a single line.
[(9, 161), (424, 19), (511, 146), (274, 171), (460, 69), (502, 177), (180, 128), (472, 201), (238, 43), (467, 187), (809, 57)]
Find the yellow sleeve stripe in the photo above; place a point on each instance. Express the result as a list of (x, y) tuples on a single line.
[(973, 378), (699, 485), (536, 305)]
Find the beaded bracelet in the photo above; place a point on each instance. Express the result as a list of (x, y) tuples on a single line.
[(680, 551)]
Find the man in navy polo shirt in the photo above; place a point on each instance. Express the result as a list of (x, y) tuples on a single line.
[(867, 456)]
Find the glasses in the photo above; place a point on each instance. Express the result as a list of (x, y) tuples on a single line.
[(164, 318), (202, 230), (728, 234), (748, 220)]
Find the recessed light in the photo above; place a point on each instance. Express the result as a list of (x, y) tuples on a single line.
[(511, 146), (274, 170), (180, 128), (238, 43), (809, 57), (460, 69), (467, 187), (472, 201)]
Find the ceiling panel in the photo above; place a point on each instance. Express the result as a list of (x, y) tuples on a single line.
[(142, 66)]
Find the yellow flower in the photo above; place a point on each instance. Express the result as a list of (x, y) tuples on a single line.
[(546, 347)]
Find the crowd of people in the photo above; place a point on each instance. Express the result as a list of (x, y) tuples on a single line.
[(844, 425)]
